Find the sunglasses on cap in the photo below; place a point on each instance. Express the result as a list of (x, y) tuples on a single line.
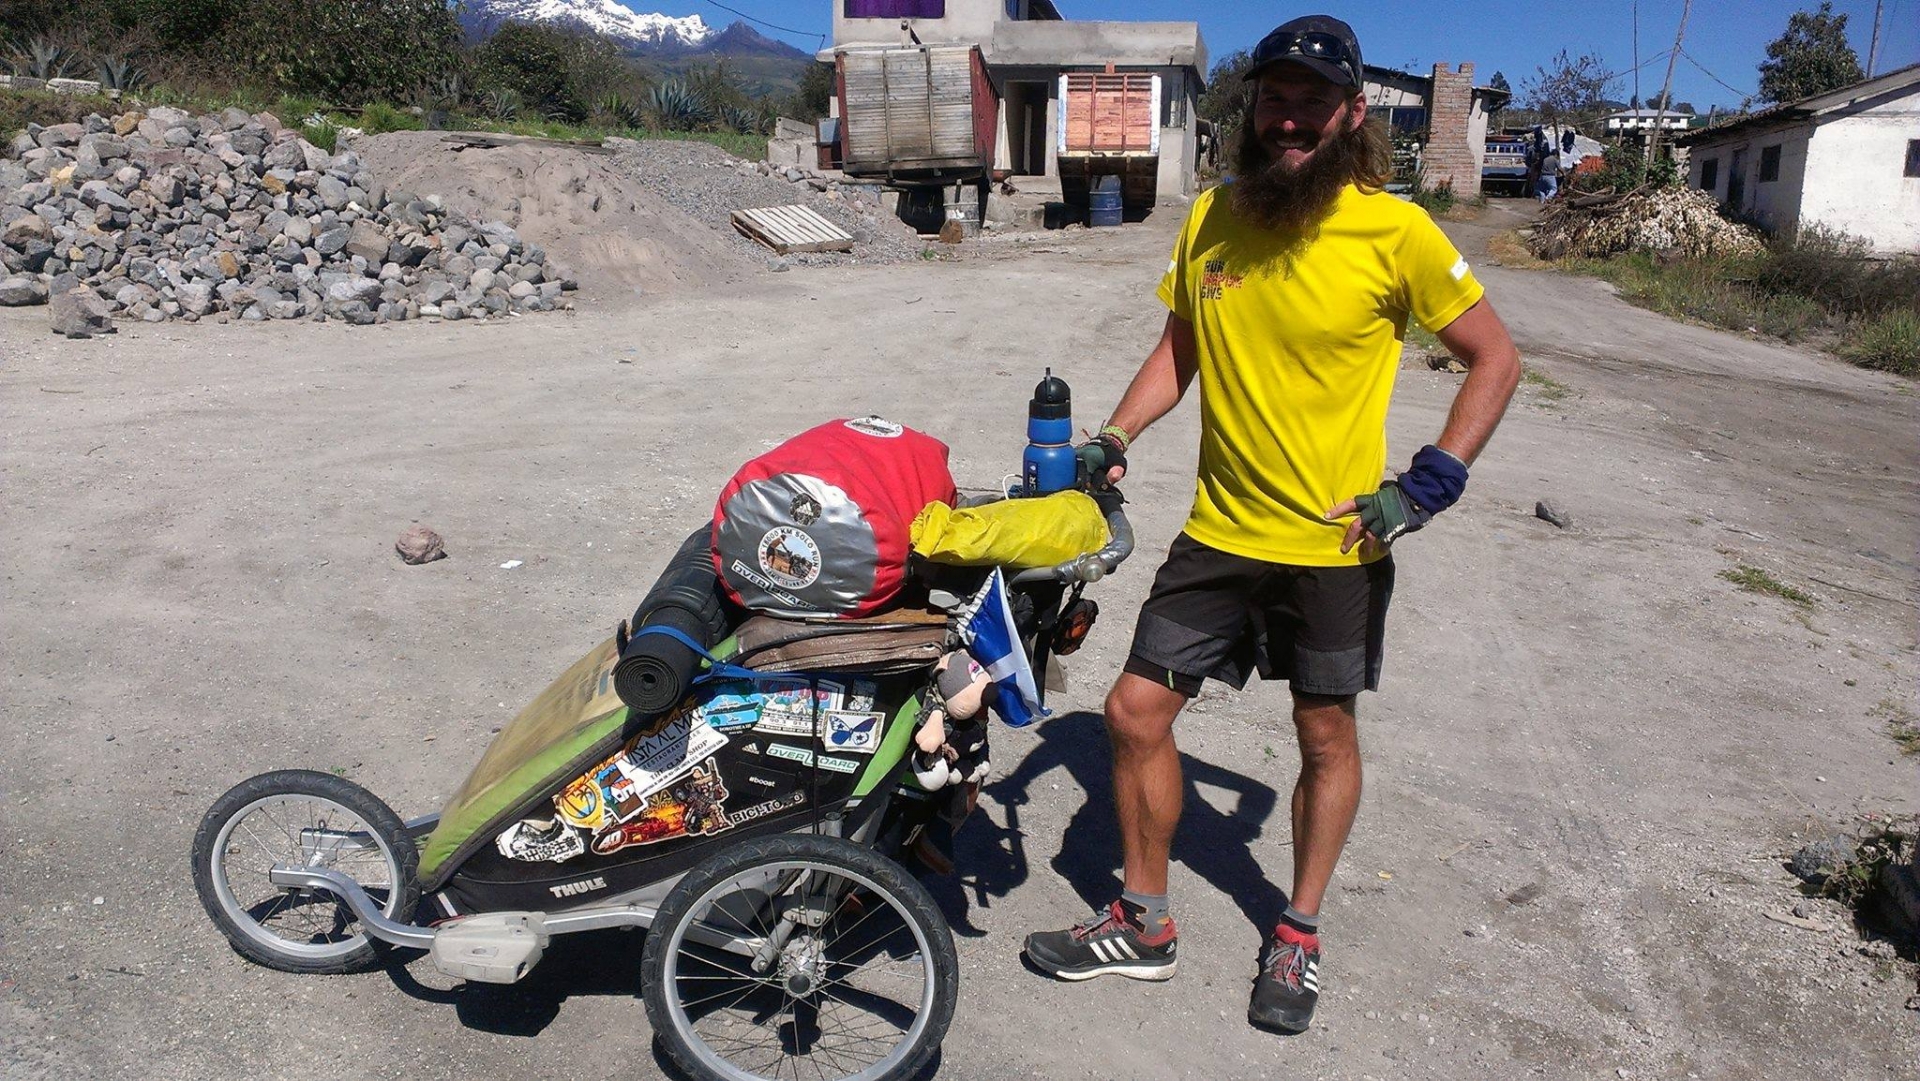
[(1313, 45)]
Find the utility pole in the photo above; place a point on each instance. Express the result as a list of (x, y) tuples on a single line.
[(1873, 51), (1637, 103), (1666, 88)]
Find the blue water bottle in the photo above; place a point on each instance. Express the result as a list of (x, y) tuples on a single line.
[(1049, 464)]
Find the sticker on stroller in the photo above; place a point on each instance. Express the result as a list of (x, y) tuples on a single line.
[(805, 758), (655, 761), (580, 804), (860, 694), (854, 733), (695, 806), (540, 840), (772, 806), (734, 704), (788, 707)]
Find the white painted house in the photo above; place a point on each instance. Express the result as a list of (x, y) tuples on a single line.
[(1848, 159), (1630, 120)]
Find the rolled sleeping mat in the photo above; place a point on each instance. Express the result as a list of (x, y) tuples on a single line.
[(656, 671)]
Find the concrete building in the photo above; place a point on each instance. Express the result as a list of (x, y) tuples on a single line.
[(1444, 113), (1848, 159), (1027, 46), (1639, 120)]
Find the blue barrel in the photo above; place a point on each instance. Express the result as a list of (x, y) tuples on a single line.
[(1103, 204)]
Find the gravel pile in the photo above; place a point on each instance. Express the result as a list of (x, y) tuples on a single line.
[(1682, 221), (709, 184), (162, 215)]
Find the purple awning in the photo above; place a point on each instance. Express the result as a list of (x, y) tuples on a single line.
[(896, 9)]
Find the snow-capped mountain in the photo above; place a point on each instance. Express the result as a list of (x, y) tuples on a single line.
[(633, 29)]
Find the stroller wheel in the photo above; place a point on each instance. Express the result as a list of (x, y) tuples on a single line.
[(842, 965), (301, 817)]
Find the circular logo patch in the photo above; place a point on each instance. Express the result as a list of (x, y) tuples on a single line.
[(884, 429), (804, 510), (789, 557)]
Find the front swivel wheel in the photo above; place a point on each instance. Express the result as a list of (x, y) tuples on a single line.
[(309, 819)]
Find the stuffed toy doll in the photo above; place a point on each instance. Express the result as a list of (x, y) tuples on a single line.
[(950, 752)]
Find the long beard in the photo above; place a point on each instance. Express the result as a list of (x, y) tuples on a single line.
[(1292, 200)]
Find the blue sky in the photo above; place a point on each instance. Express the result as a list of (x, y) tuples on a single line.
[(1727, 38)]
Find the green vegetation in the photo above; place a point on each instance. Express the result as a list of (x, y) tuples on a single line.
[(1550, 388), (1625, 167), (1755, 580), (1812, 57), (1435, 199), (1902, 726), (1816, 285), (385, 65), (1890, 343), (1853, 882)]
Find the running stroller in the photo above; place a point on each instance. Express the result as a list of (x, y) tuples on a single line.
[(753, 830)]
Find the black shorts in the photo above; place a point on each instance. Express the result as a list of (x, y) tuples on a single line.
[(1213, 615)]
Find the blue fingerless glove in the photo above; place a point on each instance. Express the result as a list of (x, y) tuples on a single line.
[(1434, 480)]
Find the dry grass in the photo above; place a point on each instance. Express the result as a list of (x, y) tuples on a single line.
[(1902, 726), (1509, 249)]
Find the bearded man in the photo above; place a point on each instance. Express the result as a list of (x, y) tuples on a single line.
[(1289, 294)]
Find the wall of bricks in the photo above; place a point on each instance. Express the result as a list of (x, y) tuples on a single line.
[(1450, 156)]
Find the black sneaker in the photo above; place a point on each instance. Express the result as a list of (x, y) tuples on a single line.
[(1288, 984), (1109, 942)]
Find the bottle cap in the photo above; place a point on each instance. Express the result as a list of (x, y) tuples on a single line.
[(1051, 399)]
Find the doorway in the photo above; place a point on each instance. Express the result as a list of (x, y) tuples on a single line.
[(1026, 105), (1737, 181)]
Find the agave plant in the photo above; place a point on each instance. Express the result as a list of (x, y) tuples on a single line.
[(744, 119), (614, 110), (502, 103), (119, 73), (675, 106), (41, 58)]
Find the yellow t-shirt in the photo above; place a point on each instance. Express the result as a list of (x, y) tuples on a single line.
[(1298, 353)]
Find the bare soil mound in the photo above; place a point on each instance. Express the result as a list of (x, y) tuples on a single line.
[(710, 184), (613, 234)]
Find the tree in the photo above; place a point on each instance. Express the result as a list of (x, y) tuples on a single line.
[(1569, 89), (1228, 96), (813, 98), (1812, 57), (559, 74), (1499, 82), (344, 51)]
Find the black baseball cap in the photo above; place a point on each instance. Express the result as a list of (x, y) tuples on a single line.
[(1320, 43)]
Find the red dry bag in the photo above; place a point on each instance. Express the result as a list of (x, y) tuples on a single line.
[(819, 525)]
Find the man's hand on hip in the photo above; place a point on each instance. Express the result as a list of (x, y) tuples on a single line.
[(1432, 484)]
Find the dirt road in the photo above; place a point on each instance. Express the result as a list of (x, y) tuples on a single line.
[(1589, 752)]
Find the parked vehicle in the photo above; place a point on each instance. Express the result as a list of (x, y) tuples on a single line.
[(1503, 170), (1110, 127)]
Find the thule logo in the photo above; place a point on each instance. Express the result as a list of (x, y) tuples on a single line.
[(575, 889)]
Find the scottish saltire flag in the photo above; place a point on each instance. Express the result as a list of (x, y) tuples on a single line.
[(988, 632)]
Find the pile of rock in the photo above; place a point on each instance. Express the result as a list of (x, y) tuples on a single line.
[(162, 214)]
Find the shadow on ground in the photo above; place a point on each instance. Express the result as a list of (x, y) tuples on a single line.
[(1216, 845)]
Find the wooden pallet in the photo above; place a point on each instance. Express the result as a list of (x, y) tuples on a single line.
[(792, 229)]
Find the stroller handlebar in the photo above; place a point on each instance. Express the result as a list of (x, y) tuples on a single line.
[(1094, 565)]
